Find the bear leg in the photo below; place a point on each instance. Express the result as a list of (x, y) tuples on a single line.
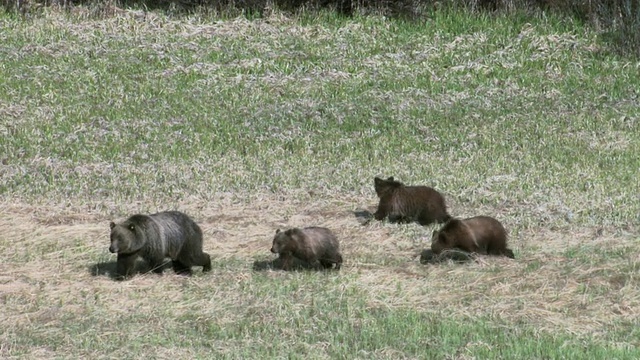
[(125, 265), (181, 268)]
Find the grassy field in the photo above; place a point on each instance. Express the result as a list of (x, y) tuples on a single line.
[(251, 126)]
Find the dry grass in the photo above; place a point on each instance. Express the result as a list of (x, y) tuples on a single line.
[(51, 249)]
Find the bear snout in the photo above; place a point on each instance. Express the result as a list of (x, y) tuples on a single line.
[(273, 250), (113, 249)]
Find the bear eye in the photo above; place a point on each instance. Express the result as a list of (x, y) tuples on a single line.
[(131, 227)]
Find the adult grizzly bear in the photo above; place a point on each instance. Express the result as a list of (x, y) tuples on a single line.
[(409, 203), (155, 237), (315, 245), (480, 234)]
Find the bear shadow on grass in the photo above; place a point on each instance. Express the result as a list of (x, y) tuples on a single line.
[(108, 268), (455, 255), (363, 216), (276, 264)]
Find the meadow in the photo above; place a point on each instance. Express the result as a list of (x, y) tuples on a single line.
[(254, 125)]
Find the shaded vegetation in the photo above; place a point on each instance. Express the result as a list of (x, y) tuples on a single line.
[(617, 20)]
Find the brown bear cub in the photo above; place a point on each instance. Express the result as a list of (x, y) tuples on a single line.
[(314, 245), (480, 234), (404, 204), (169, 234)]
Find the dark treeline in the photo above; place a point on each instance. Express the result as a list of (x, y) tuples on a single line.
[(617, 20)]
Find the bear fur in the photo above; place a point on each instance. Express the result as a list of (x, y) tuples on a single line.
[(404, 204), (169, 234), (314, 245), (480, 234)]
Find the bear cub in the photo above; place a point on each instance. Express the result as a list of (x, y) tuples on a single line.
[(403, 204), (317, 246), (480, 234)]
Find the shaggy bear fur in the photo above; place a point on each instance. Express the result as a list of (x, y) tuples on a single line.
[(480, 234), (409, 203), (155, 237), (314, 245)]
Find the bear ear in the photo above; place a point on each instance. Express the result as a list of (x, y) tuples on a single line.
[(112, 225), (277, 231), (390, 178), (289, 232)]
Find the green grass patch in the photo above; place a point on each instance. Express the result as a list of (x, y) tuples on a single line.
[(322, 324), (289, 105)]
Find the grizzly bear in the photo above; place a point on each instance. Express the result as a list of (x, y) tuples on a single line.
[(480, 234), (404, 204), (155, 237), (314, 245)]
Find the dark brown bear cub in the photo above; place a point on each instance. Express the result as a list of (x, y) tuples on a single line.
[(169, 234), (409, 203), (315, 245), (480, 234)]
